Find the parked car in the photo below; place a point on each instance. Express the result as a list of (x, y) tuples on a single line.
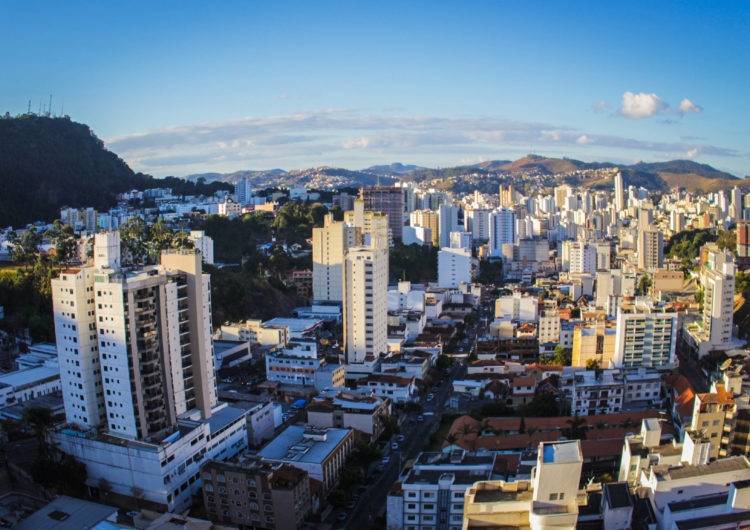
[(420, 418), (400, 438), (394, 445)]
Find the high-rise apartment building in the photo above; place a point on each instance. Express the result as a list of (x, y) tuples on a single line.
[(365, 305), (650, 249), (502, 230), (330, 244), (144, 353), (718, 298), (448, 216), (478, 223), (619, 193), (582, 258), (427, 219), (388, 200), (455, 265), (743, 239), (646, 336), (138, 374), (368, 227)]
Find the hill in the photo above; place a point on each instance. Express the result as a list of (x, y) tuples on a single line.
[(47, 163), (396, 168), (324, 177), (543, 164)]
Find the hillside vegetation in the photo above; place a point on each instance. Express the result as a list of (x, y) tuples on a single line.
[(47, 163)]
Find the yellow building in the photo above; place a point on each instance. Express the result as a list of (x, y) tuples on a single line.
[(596, 343), (714, 415), (429, 219)]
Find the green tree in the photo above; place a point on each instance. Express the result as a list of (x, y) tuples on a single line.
[(644, 284), (561, 356), (592, 364), (576, 429)]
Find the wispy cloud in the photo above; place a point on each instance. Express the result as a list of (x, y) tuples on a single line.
[(688, 107), (601, 105), (340, 136)]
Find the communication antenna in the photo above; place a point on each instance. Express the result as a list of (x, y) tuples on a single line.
[(49, 109), (726, 364), (29, 111)]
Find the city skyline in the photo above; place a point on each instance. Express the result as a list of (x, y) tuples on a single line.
[(178, 89)]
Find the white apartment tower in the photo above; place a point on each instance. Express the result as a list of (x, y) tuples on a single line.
[(454, 267), (646, 336), (718, 298), (365, 304), (619, 193), (650, 249), (146, 354), (330, 244), (502, 230), (582, 258)]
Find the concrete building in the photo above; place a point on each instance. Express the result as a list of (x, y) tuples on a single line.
[(646, 336), (582, 257), (448, 218), (388, 200), (548, 500), (397, 388), (650, 249), (647, 449), (371, 228), (549, 327), (593, 343), (743, 239), (203, 243), (431, 494), (455, 265), (23, 385), (596, 392), (460, 239), (247, 492), (619, 193), (321, 452), (714, 416), (363, 413), (427, 219), (296, 364), (517, 307), (502, 230), (365, 306), (478, 223), (718, 299), (255, 332), (330, 244)]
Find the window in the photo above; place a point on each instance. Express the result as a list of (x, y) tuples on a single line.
[(553, 496)]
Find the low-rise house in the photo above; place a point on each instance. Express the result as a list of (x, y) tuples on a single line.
[(398, 389)]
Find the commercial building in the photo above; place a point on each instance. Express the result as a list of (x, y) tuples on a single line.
[(296, 364), (23, 385), (255, 332), (517, 307), (247, 492)]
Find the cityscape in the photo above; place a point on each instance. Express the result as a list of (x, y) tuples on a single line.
[(538, 319)]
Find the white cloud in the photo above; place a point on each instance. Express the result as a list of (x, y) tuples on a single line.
[(641, 105), (688, 107), (584, 139), (601, 105)]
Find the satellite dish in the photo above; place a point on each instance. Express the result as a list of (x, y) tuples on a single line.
[(726, 364)]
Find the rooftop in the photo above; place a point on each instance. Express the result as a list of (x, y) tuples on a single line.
[(30, 376), (561, 452), (299, 443), (735, 463), (68, 513)]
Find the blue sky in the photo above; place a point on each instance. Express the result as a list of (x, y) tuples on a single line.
[(188, 87)]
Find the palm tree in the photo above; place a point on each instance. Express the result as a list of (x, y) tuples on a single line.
[(484, 427), (467, 429), (601, 424), (499, 431), (530, 431), (577, 428), (451, 438), (628, 423)]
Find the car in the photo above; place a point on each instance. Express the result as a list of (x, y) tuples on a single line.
[(400, 437), (430, 397), (394, 445), (350, 505), (385, 460), (342, 516), (420, 418), (133, 514)]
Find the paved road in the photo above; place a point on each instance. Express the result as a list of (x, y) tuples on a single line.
[(372, 502)]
